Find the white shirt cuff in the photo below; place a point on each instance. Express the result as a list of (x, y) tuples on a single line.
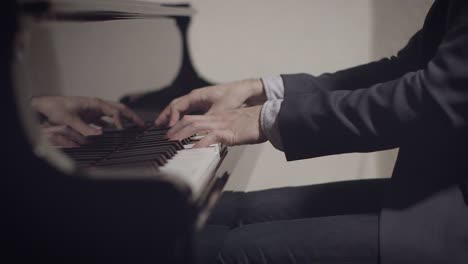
[(269, 122), (274, 87)]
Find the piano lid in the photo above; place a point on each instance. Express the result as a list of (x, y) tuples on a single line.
[(97, 10)]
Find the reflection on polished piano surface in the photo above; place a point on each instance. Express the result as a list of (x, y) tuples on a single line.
[(128, 195)]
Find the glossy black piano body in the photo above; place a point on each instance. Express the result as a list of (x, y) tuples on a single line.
[(63, 214)]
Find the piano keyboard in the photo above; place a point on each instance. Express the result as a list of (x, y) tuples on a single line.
[(130, 147), (149, 151)]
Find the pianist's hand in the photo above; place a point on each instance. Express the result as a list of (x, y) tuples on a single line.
[(79, 112), (234, 127), (62, 136), (213, 99)]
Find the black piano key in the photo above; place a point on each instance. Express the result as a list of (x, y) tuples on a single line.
[(87, 157), (154, 155), (186, 141), (176, 144), (150, 142), (87, 154), (155, 129), (122, 153), (87, 150), (143, 141), (136, 165), (152, 137), (130, 160), (149, 148), (126, 130), (168, 152), (129, 147), (145, 148)]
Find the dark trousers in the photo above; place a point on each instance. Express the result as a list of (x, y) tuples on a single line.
[(325, 223)]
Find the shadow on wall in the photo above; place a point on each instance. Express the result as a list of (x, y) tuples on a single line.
[(394, 22)]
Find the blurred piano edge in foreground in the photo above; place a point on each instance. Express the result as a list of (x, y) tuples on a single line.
[(127, 196)]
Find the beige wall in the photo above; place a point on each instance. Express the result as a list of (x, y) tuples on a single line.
[(239, 39)]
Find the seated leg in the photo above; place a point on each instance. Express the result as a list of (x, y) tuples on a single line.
[(336, 212), (337, 198), (333, 239)]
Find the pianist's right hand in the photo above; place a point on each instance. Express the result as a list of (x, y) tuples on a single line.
[(79, 112), (213, 99)]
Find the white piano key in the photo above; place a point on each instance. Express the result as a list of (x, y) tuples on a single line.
[(195, 167)]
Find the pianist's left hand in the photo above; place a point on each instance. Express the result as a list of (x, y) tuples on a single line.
[(235, 127), (62, 136), (79, 112)]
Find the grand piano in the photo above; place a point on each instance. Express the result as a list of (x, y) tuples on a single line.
[(128, 195)]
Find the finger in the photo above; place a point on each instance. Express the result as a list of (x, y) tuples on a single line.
[(163, 118), (83, 128), (174, 117), (180, 124), (206, 141), (62, 141), (179, 107), (53, 129), (102, 122), (74, 135), (66, 132), (117, 119), (218, 136), (128, 113), (194, 128), (112, 111), (185, 121)]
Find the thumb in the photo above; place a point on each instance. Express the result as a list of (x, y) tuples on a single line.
[(83, 128)]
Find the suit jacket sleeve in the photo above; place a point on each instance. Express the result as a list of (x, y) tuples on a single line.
[(360, 76), (332, 121)]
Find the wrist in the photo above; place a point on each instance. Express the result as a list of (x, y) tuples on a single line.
[(269, 122), (257, 93)]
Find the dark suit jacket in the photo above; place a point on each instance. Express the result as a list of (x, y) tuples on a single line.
[(417, 101)]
